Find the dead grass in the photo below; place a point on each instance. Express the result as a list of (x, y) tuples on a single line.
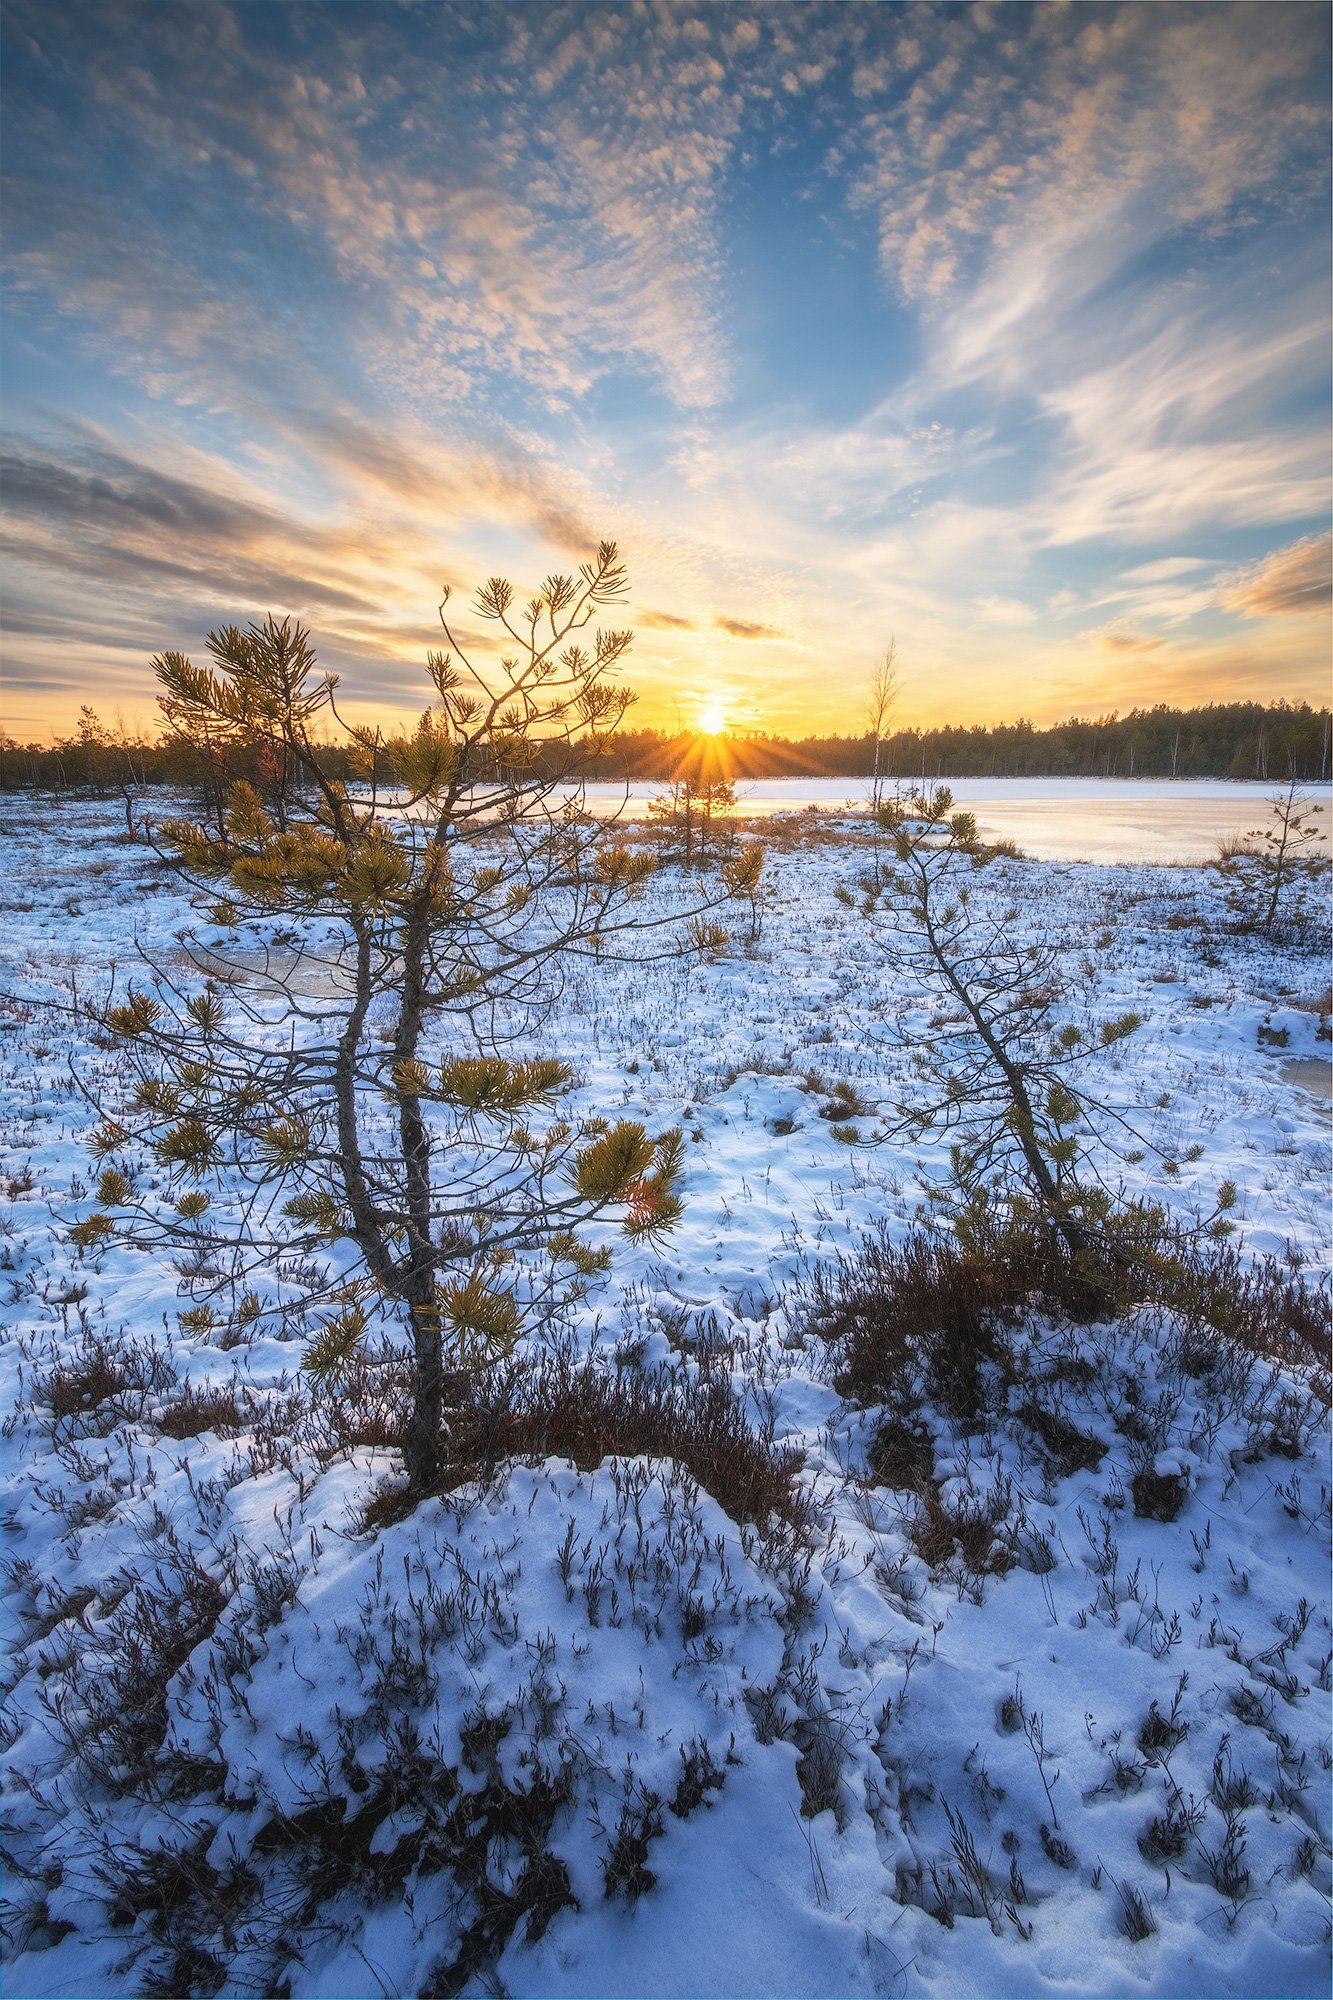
[(932, 1310), (107, 1378), (965, 1529), (90, 1380), (1259, 1305), (574, 1409), (928, 1302), (195, 1411)]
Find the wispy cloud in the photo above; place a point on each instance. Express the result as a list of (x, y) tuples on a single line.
[(1165, 569), (1025, 167), (743, 628), (545, 236), (1291, 582), (1118, 639), (1006, 611), (108, 520), (997, 328), (663, 621)]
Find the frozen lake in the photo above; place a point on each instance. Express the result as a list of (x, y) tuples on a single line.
[(1053, 819)]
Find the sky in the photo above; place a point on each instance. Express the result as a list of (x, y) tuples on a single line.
[(1002, 331)]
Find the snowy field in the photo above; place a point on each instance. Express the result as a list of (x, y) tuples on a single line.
[(579, 1732)]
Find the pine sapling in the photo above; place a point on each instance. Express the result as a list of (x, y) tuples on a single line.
[(996, 1065), (332, 1099)]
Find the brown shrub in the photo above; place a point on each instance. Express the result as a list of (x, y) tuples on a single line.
[(93, 1378), (195, 1411), (1262, 1306), (930, 1300), (107, 1369), (965, 1529), (1071, 1449), (574, 1409), (902, 1455), (116, 1716), (939, 1304), (1158, 1496), (369, 1408)]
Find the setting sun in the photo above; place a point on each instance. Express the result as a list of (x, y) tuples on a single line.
[(712, 718)]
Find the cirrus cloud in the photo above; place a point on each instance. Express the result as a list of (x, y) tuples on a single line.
[(1291, 582)]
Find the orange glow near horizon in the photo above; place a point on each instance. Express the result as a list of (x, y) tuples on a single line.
[(119, 688)]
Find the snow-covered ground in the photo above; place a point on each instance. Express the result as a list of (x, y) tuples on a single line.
[(581, 1733)]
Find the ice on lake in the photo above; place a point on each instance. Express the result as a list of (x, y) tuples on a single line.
[(1052, 819)]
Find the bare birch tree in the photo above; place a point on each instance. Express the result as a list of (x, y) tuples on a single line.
[(885, 687)]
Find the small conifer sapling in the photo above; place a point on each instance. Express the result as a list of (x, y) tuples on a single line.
[(341, 1086)]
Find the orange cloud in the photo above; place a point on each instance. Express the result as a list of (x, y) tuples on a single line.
[(1115, 639), (741, 628), (1292, 581), (664, 621)]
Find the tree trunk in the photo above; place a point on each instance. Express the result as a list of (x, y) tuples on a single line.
[(422, 1451), (423, 1437), (1077, 1240)]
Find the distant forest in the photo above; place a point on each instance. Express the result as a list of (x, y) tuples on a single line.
[(1224, 740)]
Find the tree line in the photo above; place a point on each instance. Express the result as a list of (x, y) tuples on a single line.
[(1274, 741)]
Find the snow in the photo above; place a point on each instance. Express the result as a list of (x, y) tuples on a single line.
[(856, 1722)]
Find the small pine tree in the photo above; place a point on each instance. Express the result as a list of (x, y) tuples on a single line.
[(995, 1066), (687, 804), (677, 806), (90, 753), (716, 795), (355, 1113), (743, 875), (1269, 873)]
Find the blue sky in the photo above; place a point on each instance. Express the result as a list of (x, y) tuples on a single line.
[(1003, 330)]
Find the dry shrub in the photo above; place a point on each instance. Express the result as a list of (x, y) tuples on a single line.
[(416, 1817), (107, 1377), (902, 1455), (624, 1868), (930, 1300), (195, 1411), (938, 1304), (1158, 1496), (110, 1700), (1259, 1305), (370, 1407), (573, 1409), (85, 1383), (1071, 1449), (965, 1529)]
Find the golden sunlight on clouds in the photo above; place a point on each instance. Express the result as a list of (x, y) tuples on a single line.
[(1289, 582), (481, 300)]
